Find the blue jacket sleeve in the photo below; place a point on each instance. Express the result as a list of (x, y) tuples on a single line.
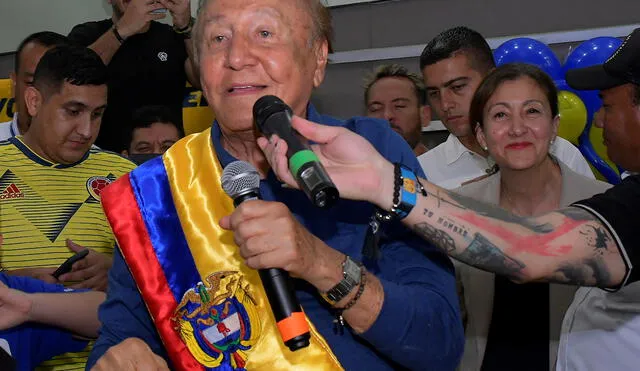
[(33, 343), (420, 318), (124, 314), (419, 325)]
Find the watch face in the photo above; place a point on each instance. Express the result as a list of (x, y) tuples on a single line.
[(352, 270)]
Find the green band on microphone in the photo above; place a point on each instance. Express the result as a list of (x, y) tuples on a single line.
[(300, 158)]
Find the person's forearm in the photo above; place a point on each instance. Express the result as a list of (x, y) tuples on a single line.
[(416, 325), (366, 310), (75, 312), (567, 246), (106, 46)]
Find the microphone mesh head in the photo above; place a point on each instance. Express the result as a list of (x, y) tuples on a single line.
[(239, 177)]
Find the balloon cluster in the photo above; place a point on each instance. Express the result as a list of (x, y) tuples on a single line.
[(577, 108)]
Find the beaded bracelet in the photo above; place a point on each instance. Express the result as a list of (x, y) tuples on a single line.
[(406, 185), (339, 320)]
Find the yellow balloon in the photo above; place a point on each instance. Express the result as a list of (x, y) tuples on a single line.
[(573, 116)]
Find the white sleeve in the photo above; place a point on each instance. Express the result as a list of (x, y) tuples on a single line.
[(566, 152)]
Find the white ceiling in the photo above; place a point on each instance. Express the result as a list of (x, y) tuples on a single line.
[(332, 3)]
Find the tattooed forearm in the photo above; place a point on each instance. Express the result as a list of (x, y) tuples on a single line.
[(438, 237), (588, 272), (483, 254), (596, 237), (496, 212), (576, 213)]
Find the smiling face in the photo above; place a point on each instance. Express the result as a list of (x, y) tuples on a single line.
[(518, 124), (251, 48)]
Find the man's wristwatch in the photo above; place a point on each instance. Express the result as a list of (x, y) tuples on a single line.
[(351, 273)]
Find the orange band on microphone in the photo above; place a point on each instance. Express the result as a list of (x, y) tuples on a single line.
[(293, 326)]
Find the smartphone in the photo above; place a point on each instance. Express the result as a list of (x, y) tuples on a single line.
[(159, 11), (68, 264)]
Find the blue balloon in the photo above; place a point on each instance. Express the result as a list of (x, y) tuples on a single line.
[(526, 50), (590, 53)]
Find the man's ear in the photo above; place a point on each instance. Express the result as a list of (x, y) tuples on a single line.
[(13, 78), (322, 58), (125, 153), (425, 115), (33, 100)]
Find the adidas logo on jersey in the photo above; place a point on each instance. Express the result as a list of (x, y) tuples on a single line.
[(12, 191)]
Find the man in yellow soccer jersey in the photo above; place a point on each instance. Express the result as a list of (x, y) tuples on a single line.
[(51, 178)]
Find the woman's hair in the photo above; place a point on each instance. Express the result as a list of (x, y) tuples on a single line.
[(510, 72)]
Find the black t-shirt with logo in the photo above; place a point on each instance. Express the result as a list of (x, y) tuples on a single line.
[(147, 69), (618, 209)]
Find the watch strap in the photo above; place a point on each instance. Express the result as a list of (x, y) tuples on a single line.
[(351, 276)]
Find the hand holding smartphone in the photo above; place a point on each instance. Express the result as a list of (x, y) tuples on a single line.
[(68, 264), (159, 11)]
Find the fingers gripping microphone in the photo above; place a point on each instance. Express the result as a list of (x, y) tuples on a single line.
[(273, 116), (241, 181)]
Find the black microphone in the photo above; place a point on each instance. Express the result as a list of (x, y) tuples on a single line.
[(273, 116), (241, 181)]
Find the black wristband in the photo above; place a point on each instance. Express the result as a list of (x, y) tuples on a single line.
[(185, 29), (117, 34)]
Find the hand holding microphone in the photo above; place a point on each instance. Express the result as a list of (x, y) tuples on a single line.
[(267, 234), (273, 116), (357, 169)]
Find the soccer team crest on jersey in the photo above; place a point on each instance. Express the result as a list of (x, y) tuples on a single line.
[(96, 184)]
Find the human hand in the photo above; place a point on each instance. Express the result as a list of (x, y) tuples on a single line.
[(180, 11), (354, 165), (132, 354), (92, 271), (269, 236), (137, 17), (15, 307)]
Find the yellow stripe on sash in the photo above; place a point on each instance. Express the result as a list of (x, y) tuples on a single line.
[(194, 175)]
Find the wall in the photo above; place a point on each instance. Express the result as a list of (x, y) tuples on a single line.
[(361, 26), (409, 22)]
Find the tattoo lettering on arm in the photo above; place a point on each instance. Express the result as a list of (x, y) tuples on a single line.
[(483, 254), (496, 212), (588, 272)]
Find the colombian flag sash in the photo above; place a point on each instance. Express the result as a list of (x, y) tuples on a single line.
[(210, 310)]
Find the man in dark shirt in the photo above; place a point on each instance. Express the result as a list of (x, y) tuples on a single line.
[(148, 61)]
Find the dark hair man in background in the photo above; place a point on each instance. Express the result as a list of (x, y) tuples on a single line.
[(28, 54), (149, 62)]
